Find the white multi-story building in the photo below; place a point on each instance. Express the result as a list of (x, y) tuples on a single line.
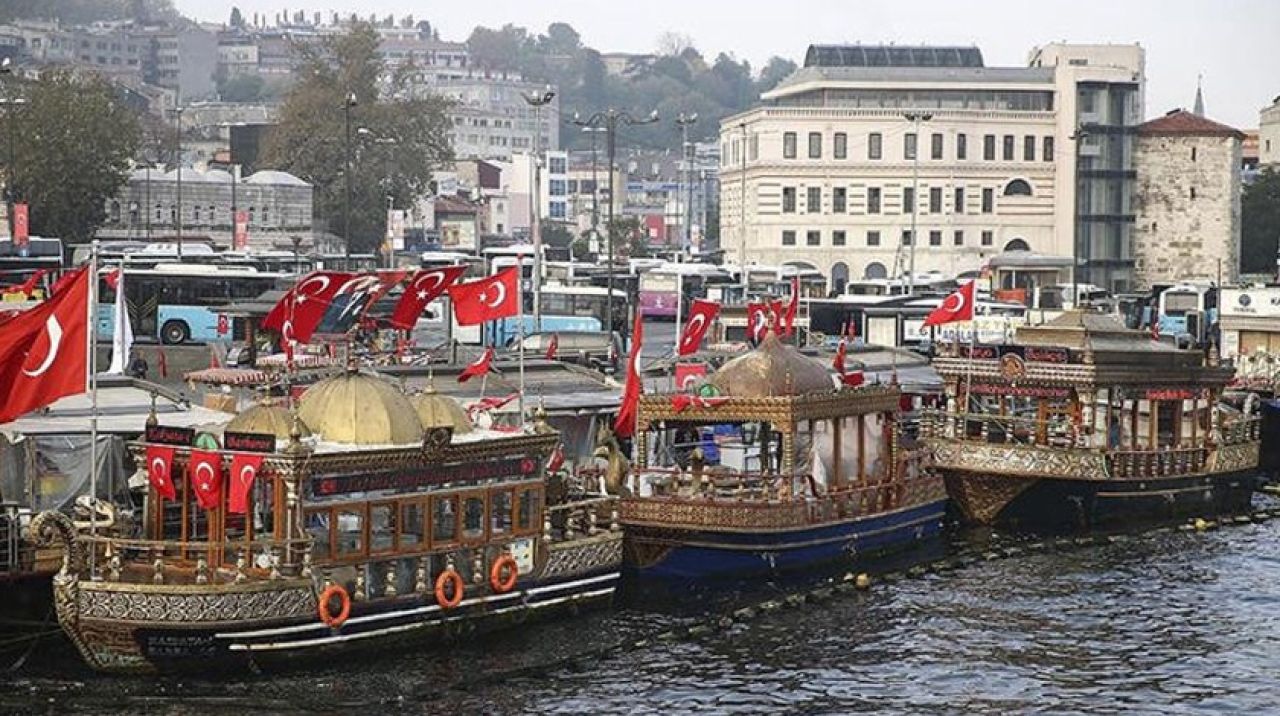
[(826, 171), (553, 194), (1269, 134), (493, 120)]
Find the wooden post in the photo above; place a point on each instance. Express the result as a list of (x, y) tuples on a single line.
[(1195, 419), (1153, 423), (1111, 400), (1133, 424), (837, 460), (862, 451)]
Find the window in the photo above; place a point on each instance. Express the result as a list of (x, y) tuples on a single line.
[(959, 203), (935, 238), (1193, 154), (1048, 149), (557, 209), (473, 517), (444, 520), (1017, 187), (837, 238), (957, 238), (815, 145), (195, 213), (788, 238), (873, 200), (909, 146), (351, 531), (962, 146), (989, 147), (1029, 148), (813, 238), (873, 238), (556, 165), (838, 201), (527, 509), (789, 145), (813, 201), (500, 512), (556, 187), (874, 146), (754, 145), (382, 527), (840, 146), (935, 200), (988, 200), (908, 199), (1007, 152), (906, 237), (988, 238), (413, 521), (1193, 192), (573, 186), (788, 200), (935, 146)]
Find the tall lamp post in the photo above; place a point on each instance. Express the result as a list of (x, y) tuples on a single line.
[(683, 121), (1077, 139), (915, 118), (594, 245), (742, 214), (11, 104), (347, 105), (610, 119), (177, 157), (537, 100)]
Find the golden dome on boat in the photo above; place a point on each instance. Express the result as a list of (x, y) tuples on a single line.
[(772, 369), (266, 418), (440, 411), (360, 409)]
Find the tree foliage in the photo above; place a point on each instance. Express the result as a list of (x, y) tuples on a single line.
[(1260, 223), (75, 139), (83, 12), (407, 137)]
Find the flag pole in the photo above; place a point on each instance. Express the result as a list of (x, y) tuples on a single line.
[(520, 308), (92, 365)]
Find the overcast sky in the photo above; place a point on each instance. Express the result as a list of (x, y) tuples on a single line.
[(1234, 44)]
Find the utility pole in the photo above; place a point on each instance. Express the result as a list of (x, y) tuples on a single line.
[(177, 138), (536, 100), (609, 119), (1076, 235), (595, 192), (742, 213), (347, 105), (915, 118), (686, 217)]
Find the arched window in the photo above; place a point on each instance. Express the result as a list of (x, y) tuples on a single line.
[(1017, 245), (839, 276), (266, 217), (195, 213), (875, 269), (1017, 187), (159, 209), (251, 214), (115, 210)]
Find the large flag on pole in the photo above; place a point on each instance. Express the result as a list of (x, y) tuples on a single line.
[(44, 353), (301, 309), (488, 299), (426, 286), (701, 314), (625, 424), (956, 307), (121, 329)]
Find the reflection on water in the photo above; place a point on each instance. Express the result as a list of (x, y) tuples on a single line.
[(1167, 623)]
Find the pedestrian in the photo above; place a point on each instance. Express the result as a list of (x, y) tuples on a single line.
[(138, 368)]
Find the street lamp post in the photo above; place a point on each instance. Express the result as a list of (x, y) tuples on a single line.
[(683, 121), (537, 100), (347, 105), (915, 118), (177, 140), (742, 213), (609, 119), (594, 246), (1077, 138)]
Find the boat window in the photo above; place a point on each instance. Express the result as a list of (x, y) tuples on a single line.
[(444, 520), (413, 517), (382, 527), (528, 509), (473, 518), (350, 531), (318, 528), (500, 512)]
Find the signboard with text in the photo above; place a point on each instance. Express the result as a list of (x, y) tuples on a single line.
[(20, 224)]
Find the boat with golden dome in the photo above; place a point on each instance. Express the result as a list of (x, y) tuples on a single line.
[(773, 464), (374, 516)]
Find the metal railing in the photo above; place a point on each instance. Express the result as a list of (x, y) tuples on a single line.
[(1127, 464), (983, 427), (580, 518), (199, 562)]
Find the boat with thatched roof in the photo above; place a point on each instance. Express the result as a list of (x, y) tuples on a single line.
[(1082, 421), (807, 471), (374, 516)]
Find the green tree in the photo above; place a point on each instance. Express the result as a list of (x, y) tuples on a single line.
[(1260, 223), (407, 135), (775, 70), (630, 239), (237, 20), (76, 141), (555, 235)]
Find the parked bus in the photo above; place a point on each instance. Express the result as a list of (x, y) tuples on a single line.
[(659, 287), (178, 303), (18, 263), (566, 308)]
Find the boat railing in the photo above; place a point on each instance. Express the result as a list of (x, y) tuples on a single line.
[(580, 518), (1165, 462), (196, 562), (1242, 430), (987, 428)]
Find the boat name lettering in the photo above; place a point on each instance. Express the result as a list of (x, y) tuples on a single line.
[(404, 479), (982, 352), (249, 442), (1026, 391), (1046, 355), (1171, 394), (166, 435)]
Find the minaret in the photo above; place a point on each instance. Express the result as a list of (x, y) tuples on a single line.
[(1199, 110)]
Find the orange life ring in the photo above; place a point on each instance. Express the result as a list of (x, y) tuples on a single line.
[(446, 577), (503, 583), (327, 616)]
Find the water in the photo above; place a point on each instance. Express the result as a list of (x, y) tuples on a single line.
[(1167, 622)]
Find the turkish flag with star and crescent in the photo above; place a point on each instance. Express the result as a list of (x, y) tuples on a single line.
[(353, 299), (160, 470), (488, 299), (956, 307), (757, 321), (425, 287), (204, 469), (244, 469), (625, 424), (701, 314), (297, 314), (479, 366), (44, 352)]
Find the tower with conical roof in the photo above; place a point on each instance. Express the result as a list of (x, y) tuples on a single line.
[(1199, 107)]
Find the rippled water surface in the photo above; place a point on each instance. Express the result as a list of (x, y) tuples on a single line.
[(1166, 622)]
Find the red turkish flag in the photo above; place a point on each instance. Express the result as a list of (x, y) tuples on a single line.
[(701, 314), (488, 299), (204, 469), (27, 287), (553, 347), (244, 469), (757, 321), (957, 307), (556, 461), (688, 373), (44, 351), (160, 471), (300, 310), (854, 379), (841, 351), (625, 424), (479, 366), (425, 287), (20, 225), (789, 317)]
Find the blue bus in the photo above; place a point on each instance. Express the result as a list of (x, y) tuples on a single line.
[(570, 309), (178, 303)]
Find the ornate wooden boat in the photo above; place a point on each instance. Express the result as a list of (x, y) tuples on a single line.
[(1082, 422), (374, 518), (809, 473)]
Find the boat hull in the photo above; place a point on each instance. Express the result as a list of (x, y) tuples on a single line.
[(683, 554)]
